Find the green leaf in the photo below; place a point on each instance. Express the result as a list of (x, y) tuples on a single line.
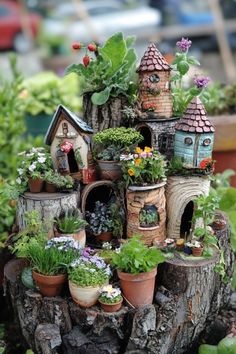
[(130, 40), (99, 98), (183, 67), (71, 69), (208, 349), (192, 61), (227, 346), (194, 91), (175, 77), (200, 231), (115, 50)]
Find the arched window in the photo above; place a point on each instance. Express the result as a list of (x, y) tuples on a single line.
[(149, 216)]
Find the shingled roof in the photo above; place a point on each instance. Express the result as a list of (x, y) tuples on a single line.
[(153, 60), (195, 119)]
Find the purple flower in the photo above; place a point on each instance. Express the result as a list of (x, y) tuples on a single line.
[(201, 82), (184, 45)]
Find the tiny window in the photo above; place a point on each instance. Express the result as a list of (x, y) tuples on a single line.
[(206, 142), (154, 78), (188, 141), (65, 128)]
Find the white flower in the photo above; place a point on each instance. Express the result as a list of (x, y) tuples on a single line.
[(20, 171), (32, 167), (42, 159), (18, 180)]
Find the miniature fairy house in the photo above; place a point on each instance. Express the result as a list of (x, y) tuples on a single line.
[(70, 140), (181, 191), (194, 135), (154, 84)]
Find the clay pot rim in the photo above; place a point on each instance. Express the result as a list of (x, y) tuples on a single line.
[(58, 276), (149, 228), (139, 276), (115, 303), (109, 161), (136, 188)]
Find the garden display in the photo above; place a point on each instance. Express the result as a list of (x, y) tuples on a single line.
[(124, 218)]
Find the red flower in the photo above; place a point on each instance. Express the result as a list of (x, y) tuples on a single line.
[(86, 60), (207, 164), (92, 47), (76, 45)]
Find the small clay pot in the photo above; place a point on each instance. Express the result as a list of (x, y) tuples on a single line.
[(111, 307), (197, 251), (79, 236), (85, 296), (50, 187), (35, 185), (104, 237), (109, 170), (49, 285)]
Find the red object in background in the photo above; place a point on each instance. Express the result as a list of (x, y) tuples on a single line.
[(11, 34), (66, 146), (89, 174), (225, 160)]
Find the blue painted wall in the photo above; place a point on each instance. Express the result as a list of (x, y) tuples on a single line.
[(186, 152)]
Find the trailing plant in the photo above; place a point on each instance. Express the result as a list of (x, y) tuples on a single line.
[(100, 219), (71, 222), (110, 71), (110, 295), (143, 167), (135, 257), (89, 270)]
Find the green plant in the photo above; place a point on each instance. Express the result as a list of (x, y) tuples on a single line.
[(117, 216), (110, 72), (225, 346), (78, 157), (143, 167), (148, 218), (111, 153), (89, 270), (110, 295), (100, 219), (58, 180), (71, 222), (135, 257)]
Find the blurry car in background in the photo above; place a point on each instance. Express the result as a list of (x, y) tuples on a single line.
[(11, 32), (107, 17)]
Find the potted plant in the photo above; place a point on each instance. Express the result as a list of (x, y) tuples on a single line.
[(33, 165), (136, 268), (110, 298), (72, 225), (55, 181), (86, 277), (49, 260), (197, 248), (109, 145), (100, 221), (107, 75)]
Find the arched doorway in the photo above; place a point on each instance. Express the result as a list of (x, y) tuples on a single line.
[(146, 133), (186, 220), (72, 161)]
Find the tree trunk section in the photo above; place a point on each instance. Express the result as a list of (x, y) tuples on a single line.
[(108, 115), (48, 205), (189, 295)]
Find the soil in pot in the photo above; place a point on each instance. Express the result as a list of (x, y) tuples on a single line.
[(109, 170), (138, 289), (35, 185), (110, 307), (49, 285)]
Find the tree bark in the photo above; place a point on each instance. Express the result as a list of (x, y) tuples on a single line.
[(109, 115), (188, 297), (49, 205)]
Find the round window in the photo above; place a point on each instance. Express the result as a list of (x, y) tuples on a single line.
[(188, 141), (154, 78), (206, 142)]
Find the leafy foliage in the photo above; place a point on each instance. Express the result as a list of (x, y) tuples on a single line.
[(120, 137), (71, 222), (225, 346), (135, 257), (111, 72), (58, 180), (100, 219)]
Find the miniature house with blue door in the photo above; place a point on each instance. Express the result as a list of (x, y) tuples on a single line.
[(194, 135)]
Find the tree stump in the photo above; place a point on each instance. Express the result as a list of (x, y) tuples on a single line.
[(108, 115), (188, 297), (48, 205)]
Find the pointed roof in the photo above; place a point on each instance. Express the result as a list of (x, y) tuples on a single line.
[(195, 119), (71, 117), (153, 60)]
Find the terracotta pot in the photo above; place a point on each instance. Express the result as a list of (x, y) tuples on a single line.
[(197, 251), (49, 285), (79, 236), (110, 170), (89, 174), (111, 307), (50, 187), (85, 296), (219, 224), (138, 289), (104, 237), (35, 185)]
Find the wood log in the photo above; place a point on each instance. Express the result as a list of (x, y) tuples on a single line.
[(188, 297), (48, 205), (109, 115)]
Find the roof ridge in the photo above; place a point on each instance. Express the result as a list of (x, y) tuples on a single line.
[(153, 60)]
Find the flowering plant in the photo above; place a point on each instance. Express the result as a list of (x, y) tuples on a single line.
[(110, 295), (89, 270), (181, 66), (143, 167), (34, 163), (100, 219), (208, 165)]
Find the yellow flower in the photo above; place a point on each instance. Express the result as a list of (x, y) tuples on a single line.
[(147, 149), (131, 172), (137, 161), (138, 150)]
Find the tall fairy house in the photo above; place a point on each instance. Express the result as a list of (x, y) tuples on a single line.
[(194, 135), (154, 84)]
